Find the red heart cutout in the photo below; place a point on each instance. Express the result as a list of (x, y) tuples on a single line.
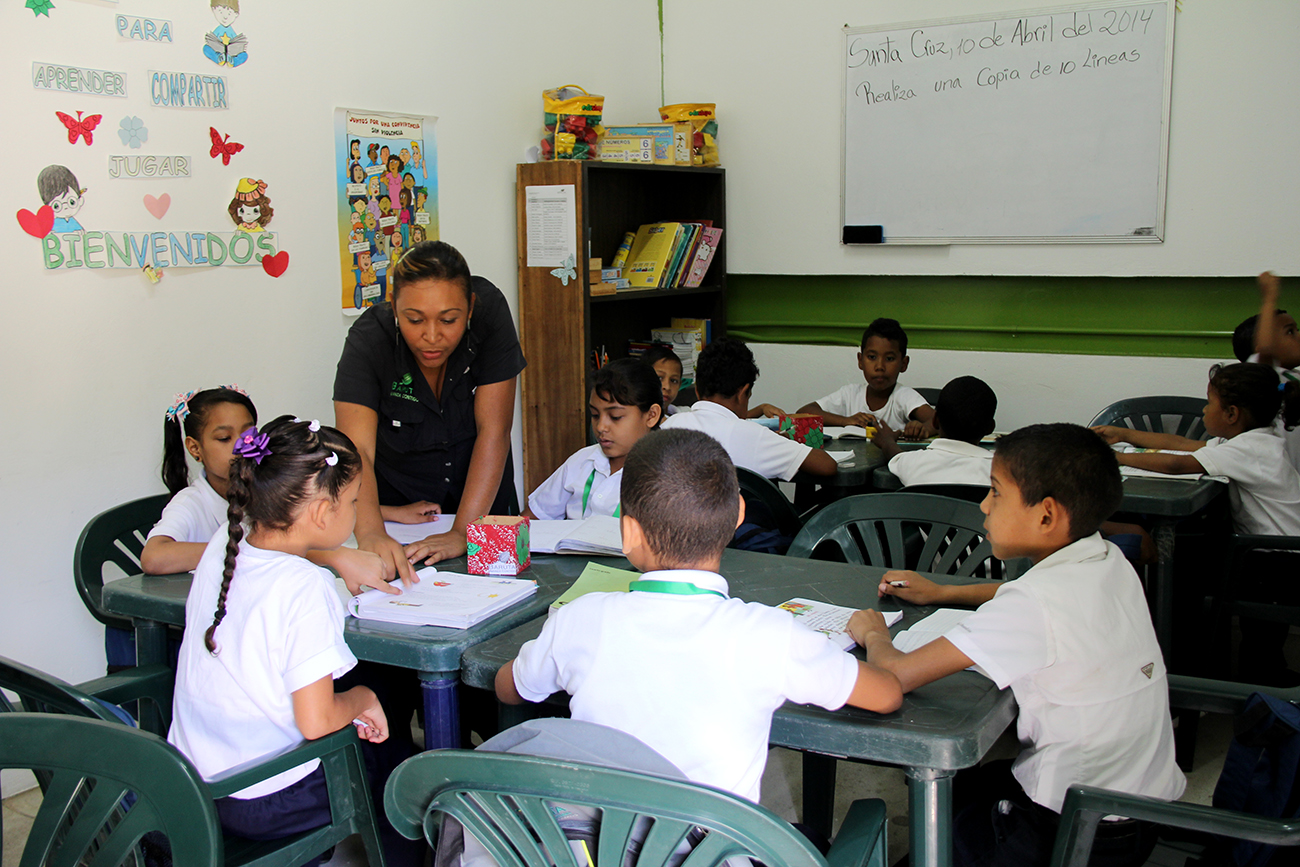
[(277, 264), (39, 224)]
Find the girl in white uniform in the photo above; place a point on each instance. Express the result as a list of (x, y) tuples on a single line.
[(1243, 402), (202, 425), (258, 675), (625, 405)]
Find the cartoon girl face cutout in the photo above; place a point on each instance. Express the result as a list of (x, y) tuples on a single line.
[(408, 181), (372, 186), (394, 164), (356, 150), (250, 209), (248, 213), (358, 174)]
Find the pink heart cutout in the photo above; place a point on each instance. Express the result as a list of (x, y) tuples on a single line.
[(39, 224), (158, 206), (277, 264)]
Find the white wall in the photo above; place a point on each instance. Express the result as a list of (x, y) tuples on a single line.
[(1030, 387), (773, 68), (91, 359)]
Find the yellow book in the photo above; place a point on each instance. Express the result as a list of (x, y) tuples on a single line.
[(651, 251)]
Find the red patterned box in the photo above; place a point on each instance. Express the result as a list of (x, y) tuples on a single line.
[(803, 427), (497, 545)]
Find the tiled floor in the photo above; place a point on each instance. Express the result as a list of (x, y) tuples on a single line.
[(782, 791)]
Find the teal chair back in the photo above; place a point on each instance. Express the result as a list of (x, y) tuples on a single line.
[(91, 766), (503, 800), (1180, 416), (116, 537), (901, 530), (764, 502)]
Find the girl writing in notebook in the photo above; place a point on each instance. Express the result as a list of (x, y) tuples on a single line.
[(625, 405), (1243, 402), (264, 628)]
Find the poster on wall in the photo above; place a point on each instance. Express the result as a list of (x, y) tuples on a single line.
[(387, 192)]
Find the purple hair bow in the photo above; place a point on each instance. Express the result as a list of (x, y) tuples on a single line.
[(252, 444)]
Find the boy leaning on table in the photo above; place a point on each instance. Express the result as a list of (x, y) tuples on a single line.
[(1072, 638), (677, 663)]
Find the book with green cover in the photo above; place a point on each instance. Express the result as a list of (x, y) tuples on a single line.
[(596, 578)]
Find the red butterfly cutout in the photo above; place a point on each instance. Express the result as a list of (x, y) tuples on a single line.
[(79, 126), (223, 147)]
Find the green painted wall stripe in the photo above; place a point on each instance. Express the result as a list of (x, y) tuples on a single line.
[(1190, 317)]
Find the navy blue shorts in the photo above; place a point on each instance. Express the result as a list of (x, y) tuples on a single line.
[(300, 807)]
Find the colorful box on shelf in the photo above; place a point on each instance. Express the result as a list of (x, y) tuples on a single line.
[(672, 141), (497, 545), (803, 427), (627, 148)]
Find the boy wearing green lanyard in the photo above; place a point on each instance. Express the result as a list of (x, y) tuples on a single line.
[(676, 662)]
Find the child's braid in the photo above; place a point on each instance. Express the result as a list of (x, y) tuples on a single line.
[(237, 497)]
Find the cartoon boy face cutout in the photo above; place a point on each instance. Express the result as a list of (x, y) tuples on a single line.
[(225, 15), (67, 205), (371, 222)]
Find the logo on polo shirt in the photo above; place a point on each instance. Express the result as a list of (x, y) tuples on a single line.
[(1148, 668), (402, 388)]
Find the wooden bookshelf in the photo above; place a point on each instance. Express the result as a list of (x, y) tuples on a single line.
[(559, 325)]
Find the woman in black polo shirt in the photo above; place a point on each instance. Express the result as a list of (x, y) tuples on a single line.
[(426, 389)]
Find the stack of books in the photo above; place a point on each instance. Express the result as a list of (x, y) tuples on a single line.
[(671, 255)]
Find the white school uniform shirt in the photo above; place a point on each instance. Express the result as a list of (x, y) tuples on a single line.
[(283, 630), (1292, 437), (1263, 486), (193, 514), (750, 445), (695, 677), (852, 399), (562, 495), (1073, 639), (944, 462)]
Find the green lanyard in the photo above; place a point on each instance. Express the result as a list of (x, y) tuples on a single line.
[(680, 588), (586, 493)]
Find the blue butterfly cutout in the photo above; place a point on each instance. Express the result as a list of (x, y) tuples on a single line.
[(566, 272)]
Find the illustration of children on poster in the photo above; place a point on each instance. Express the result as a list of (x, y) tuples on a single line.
[(386, 184)]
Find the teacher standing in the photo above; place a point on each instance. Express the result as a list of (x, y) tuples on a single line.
[(426, 390)]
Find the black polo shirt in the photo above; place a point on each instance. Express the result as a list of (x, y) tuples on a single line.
[(423, 445)]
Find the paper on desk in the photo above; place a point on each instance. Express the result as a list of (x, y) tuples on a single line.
[(830, 620), (928, 629), (408, 533), (840, 457), (596, 535), (846, 432)]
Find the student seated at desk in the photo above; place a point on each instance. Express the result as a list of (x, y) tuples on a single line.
[(676, 662), (625, 406), (1072, 638), (668, 367), (1272, 337), (725, 374), (1243, 402), (963, 417), (882, 358)]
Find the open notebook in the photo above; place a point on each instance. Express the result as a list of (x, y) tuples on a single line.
[(596, 535), (443, 599), (830, 620)]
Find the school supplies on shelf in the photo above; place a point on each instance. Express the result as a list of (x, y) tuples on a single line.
[(443, 599), (595, 578), (598, 535), (571, 123), (706, 246), (651, 250), (703, 120), (830, 620), (671, 143), (670, 255)]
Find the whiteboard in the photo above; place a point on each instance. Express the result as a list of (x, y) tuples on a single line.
[(1047, 126)]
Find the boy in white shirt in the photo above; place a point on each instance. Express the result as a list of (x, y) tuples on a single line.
[(880, 399), (1073, 639), (962, 417), (725, 374), (676, 662)]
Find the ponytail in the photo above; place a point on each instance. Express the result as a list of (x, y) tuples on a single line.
[(175, 467), (272, 477), (1290, 402)]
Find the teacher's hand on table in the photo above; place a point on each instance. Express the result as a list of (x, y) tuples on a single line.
[(411, 513), (435, 548), (391, 556)]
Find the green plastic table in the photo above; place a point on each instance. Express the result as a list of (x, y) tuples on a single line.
[(154, 601), (940, 728), (1162, 503)]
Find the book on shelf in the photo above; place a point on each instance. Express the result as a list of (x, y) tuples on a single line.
[(651, 251), (443, 599), (671, 255), (699, 267), (830, 620)]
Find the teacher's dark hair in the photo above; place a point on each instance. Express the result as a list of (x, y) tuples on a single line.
[(271, 494), (431, 260)]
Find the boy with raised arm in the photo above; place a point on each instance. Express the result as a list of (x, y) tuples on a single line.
[(1072, 638), (676, 662)]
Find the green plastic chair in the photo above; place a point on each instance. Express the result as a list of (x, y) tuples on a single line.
[(1085, 806), (903, 531), (1180, 416), (91, 766), (112, 541), (763, 493), (502, 799), (340, 753)]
